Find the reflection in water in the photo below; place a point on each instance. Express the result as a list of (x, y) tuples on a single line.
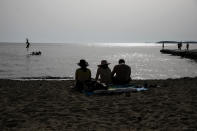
[(59, 60)]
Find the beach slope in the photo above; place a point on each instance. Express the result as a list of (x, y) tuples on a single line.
[(52, 105)]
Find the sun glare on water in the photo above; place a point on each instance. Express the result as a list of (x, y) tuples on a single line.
[(122, 44)]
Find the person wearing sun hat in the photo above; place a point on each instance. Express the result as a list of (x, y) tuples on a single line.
[(104, 73), (82, 74)]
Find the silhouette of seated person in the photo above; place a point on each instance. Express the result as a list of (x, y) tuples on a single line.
[(104, 73), (82, 75), (121, 73)]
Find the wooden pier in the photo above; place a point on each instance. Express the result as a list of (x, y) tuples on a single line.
[(183, 53), (192, 54)]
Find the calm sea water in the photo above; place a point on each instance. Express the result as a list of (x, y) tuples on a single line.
[(59, 60)]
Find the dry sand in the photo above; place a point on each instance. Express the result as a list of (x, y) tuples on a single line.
[(51, 105)]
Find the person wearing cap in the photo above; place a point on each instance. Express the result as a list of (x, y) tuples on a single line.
[(121, 73), (82, 75), (104, 73)]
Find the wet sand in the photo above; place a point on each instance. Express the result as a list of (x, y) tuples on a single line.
[(52, 105)]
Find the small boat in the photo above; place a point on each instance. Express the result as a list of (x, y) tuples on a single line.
[(36, 53)]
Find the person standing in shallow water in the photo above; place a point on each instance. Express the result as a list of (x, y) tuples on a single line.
[(82, 75), (187, 46), (180, 45), (27, 44), (104, 72), (162, 45), (121, 73)]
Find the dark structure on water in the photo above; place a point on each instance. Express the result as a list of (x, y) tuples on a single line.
[(183, 53)]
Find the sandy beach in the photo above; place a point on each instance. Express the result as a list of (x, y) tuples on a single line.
[(52, 105)]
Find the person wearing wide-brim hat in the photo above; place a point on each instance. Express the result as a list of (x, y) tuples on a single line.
[(83, 63), (82, 74), (103, 63), (104, 73)]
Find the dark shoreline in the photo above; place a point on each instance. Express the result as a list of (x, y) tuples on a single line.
[(71, 78)]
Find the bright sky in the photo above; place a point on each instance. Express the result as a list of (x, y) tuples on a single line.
[(97, 20)]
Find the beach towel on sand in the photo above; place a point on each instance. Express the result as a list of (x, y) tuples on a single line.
[(116, 89)]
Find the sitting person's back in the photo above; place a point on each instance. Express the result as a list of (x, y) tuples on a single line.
[(82, 75), (121, 73), (104, 72)]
